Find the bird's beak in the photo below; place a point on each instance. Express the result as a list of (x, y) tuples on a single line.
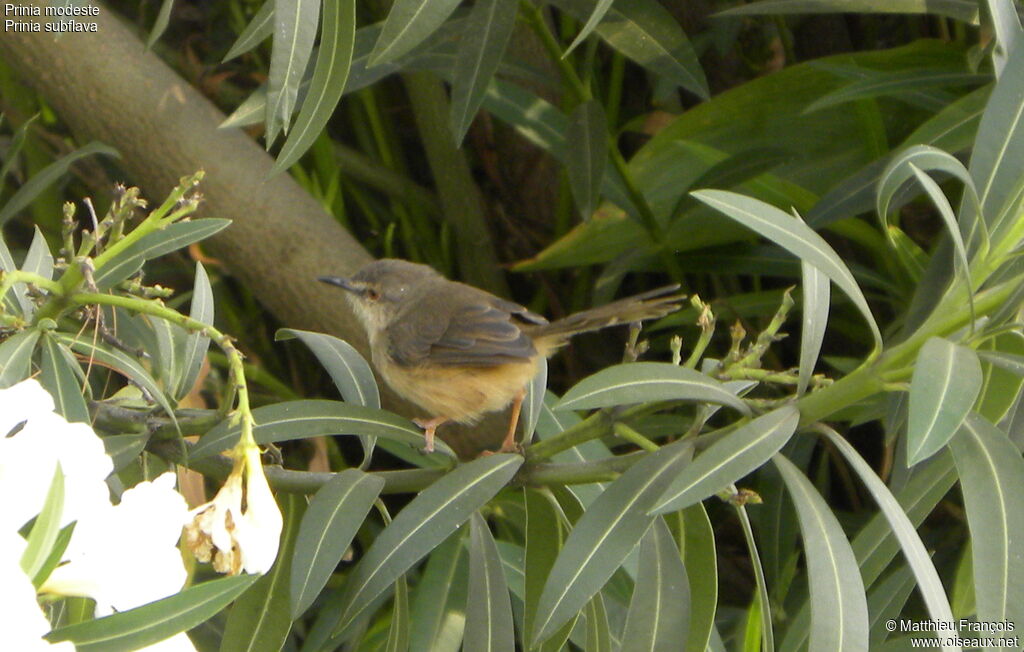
[(342, 282)]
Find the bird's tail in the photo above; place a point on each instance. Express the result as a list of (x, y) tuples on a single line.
[(647, 305)]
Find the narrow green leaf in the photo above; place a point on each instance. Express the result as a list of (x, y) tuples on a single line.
[(334, 516), (15, 301), (163, 17), (151, 623), (925, 157), (60, 545), (426, 521), (1009, 361), (488, 607), (815, 318), (698, 542), (794, 236), (16, 357), (123, 449), (120, 362), (533, 404), (913, 549), (946, 381), (408, 24), (153, 245), (612, 525), (45, 529), (992, 480), (599, 635), (38, 260), (480, 51), (544, 538), (314, 418), (647, 33), (601, 7), (886, 600), (962, 10), (644, 382), (659, 613), (729, 459), (165, 358), (17, 141), (586, 159), (1006, 24), (295, 23), (333, 60), (260, 619), (761, 608), (997, 156), (259, 29), (439, 604), (839, 612), (349, 370), (895, 83), (398, 631), (912, 258), (60, 378), (47, 176), (196, 344)]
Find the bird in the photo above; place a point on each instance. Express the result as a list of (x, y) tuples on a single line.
[(458, 352)]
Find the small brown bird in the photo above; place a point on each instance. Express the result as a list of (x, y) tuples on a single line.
[(459, 352)]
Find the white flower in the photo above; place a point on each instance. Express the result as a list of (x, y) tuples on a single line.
[(29, 457), (234, 539), (21, 620), (126, 555)]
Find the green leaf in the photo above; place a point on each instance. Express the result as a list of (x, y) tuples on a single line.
[(962, 10), (659, 613), (998, 154), (349, 371), (946, 381), (123, 449), (645, 382), (647, 33), (156, 621), (44, 178), (913, 549), (794, 236), (839, 612), (16, 357), (426, 521), (163, 17), (333, 60), (439, 605), (398, 631), (259, 29), (60, 545), (120, 362), (295, 24), (38, 260), (816, 298), (701, 562), (1009, 361), (601, 7), (14, 148), (1006, 24), (348, 368), (15, 301), (488, 607), (599, 635), (314, 418), (334, 516), (896, 83), (612, 525), (480, 51), (45, 529), (586, 159), (533, 404), (408, 24), (59, 375), (729, 459), (992, 480), (153, 245), (196, 344), (260, 619), (886, 600), (925, 157), (544, 538)]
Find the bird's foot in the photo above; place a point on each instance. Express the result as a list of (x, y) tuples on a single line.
[(429, 428)]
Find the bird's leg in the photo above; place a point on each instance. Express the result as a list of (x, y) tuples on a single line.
[(429, 427), (510, 445)]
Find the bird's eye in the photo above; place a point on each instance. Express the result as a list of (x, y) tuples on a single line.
[(372, 294)]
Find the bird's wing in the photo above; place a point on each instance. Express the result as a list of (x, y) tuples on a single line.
[(483, 332)]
